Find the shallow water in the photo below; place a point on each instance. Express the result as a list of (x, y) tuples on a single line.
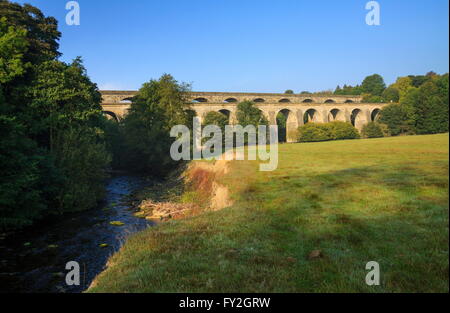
[(34, 260)]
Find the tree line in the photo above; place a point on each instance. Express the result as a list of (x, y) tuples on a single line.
[(418, 104), (54, 150)]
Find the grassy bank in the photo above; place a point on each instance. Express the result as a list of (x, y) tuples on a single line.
[(384, 200)]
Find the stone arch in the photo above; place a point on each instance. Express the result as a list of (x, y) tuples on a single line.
[(358, 118), (287, 131), (330, 101), (311, 116), (336, 115), (126, 100), (284, 100), (227, 113), (259, 100), (200, 100), (111, 115), (308, 101), (230, 100), (349, 101), (375, 115)]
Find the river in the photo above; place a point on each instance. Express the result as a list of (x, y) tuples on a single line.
[(34, 260)]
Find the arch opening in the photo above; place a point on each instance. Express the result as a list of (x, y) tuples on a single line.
[(348, 101), (308, 101), (284, 100), (259, 100), (126, 100), (375, 115), (310, 116), (231, 100), (287, 126), (336, 115), (200, 100), (111, 115), (330, 101), (227, 113), (357, 119)]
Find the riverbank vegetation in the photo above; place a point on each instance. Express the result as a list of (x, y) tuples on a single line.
[(310, 226), (52, 141), (56, 144)]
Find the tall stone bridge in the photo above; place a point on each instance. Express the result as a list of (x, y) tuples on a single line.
[(298, 109)]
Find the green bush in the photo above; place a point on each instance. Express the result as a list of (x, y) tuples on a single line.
[(343, 130), (312, 132), (372, 130)]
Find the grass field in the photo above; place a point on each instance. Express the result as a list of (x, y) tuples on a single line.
[(383, 200)]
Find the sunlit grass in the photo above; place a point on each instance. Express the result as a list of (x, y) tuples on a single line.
[(383, 200)]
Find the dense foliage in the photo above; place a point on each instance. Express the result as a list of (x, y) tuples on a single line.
[(418, 103), (218, 119), (422, 108), (313, 132), (372, 130), (158, 106), (53, 149), (248, 114)]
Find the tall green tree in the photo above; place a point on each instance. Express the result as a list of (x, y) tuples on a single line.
[(373, 84), (430, 104), (399, 118), (50, 123), (391, 94), (158, 106)]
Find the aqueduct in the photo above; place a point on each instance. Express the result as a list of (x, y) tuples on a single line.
[(298, 109)]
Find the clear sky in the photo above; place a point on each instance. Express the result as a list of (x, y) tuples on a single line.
[(253, 45)]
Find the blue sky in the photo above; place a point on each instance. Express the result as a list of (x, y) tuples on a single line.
[(252, 46)]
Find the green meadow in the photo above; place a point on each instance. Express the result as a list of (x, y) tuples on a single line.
[(355, 201)]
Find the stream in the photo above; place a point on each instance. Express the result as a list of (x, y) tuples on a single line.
[(34, 260)]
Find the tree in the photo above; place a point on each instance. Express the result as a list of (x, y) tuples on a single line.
[(289, 92), (282, 127), (248, 114), (430, 105), (41, 31), (391, 94), (217, 119), (368, 98), (338, 90), (402, 84), (51, 137), (66, 108), (374, 85), (398, 118), (158, 106), (13, 45)]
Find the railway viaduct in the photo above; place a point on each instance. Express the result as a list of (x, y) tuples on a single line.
[(297, 108)]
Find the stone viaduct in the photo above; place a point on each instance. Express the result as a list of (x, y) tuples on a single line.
[(297, 108)]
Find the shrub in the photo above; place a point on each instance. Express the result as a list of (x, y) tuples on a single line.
[(328, 131), (343, 130), (372, 130), (314, 132)]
